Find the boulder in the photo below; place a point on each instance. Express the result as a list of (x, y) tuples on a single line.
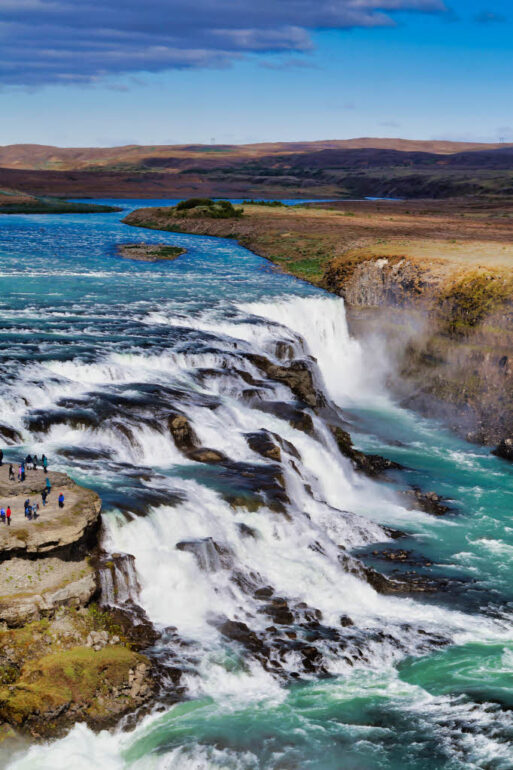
[(262, 443), (505, 449), (372, 465), (297, 375), (206, 455), (182, 432)]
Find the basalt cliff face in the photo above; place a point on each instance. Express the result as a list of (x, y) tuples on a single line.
[(451, 341)]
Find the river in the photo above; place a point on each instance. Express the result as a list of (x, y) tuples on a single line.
[(353, 679)]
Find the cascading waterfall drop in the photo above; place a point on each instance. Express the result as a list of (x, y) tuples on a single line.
[(241, 537)]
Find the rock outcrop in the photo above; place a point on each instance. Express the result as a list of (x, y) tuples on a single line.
[(62, 659), (505, 449), (76, 666)]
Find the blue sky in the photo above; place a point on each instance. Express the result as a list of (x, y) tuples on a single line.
[(85, 72)]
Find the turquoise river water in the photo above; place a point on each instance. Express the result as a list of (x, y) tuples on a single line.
[(353, 679)]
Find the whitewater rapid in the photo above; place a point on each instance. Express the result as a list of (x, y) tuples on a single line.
[(109, 406), (97, 352)]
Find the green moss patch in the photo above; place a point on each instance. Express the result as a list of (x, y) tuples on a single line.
[(78, 676), (206, 207), (472, 299)]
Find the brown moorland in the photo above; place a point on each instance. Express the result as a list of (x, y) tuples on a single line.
[(330, 169)]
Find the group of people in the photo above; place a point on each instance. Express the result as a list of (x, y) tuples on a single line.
[(31, 509), (24, 466)]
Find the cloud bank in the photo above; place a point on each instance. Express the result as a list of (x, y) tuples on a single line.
[(84, 41)]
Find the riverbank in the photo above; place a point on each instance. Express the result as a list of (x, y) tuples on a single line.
[(430, 279), (15, 202), (62, 660)]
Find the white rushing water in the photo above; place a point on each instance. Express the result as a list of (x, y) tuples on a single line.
[(299, 551)]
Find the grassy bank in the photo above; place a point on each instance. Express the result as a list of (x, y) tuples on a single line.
[(313, 241), (13, 202)]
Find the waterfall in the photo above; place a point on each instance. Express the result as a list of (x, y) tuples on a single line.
[(245, 564)]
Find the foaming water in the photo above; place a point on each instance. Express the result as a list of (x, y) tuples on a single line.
[(100, 354), (321, 322)]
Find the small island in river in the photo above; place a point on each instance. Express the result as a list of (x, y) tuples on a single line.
[(149, 252)]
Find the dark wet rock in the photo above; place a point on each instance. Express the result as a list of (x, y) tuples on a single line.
[(206, 455), (42, 422), (139, 499), (317, 547), (135, 625), (297, 376), (85, 454), (252, 395), (182, 432), (394, 534), (262, 443), (402, 556), (247, 582), (241, 633), (284, 351), (247, 500), (279, 611), (253, 486), (372, 465), (247, 531), (264, 593), (270, 444), (126, 431), (430, 502), (211, 556), (297, 418), (345, 621), (9, 435), (311, 657), (504, 449), (403, 583), (375, 465)]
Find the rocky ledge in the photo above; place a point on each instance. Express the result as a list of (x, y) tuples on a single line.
[(62, 659)]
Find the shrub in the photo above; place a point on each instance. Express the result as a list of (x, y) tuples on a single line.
[(192, 203), (205, 207), (262, 203)]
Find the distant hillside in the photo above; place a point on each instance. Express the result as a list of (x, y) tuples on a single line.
[(41, 157), (326, 169)]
